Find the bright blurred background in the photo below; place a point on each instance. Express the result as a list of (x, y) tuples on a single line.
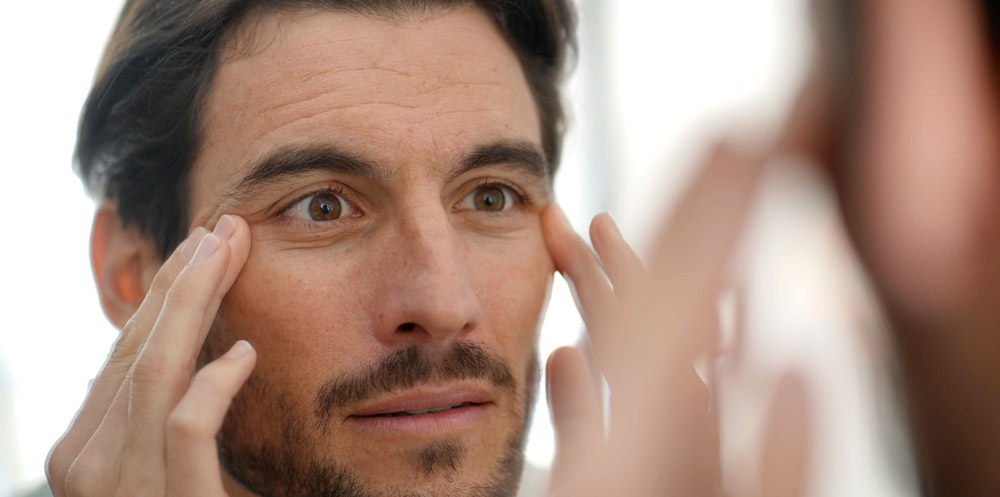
[(657, 82)]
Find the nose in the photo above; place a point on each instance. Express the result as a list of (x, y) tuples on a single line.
[(428, 294)]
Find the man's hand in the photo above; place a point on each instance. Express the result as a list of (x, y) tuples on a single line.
[(647, 329), (147, 426)]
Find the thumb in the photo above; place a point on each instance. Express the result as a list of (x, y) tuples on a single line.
[(576, 415)]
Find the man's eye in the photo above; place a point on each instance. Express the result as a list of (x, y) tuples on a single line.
[(488, 198), (319, 207)]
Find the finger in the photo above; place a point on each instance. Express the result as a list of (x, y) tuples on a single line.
[(576, 416), (670, 314), (690, 258), (658, 395), (107, 383), (622, 266), (192, 455), (593, 294), (95, 468), (663, 433), (785, 458), (163, 368)]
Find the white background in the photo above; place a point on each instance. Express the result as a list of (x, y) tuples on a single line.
[(657, 82)]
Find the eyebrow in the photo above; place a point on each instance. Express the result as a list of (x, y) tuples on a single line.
[(290, 161), (515, 153)]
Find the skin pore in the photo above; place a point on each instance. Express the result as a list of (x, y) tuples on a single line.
[(391, 176)]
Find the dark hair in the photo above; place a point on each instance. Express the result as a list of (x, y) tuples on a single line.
[(139, 130)]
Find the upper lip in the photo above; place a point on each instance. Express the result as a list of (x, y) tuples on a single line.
[(424, 397)]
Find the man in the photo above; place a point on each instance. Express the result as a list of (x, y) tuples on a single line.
[(390, 162), (365, 189)]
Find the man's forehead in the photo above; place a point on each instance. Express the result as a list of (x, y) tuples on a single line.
[(429, 87)]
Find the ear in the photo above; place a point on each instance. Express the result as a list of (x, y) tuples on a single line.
[(123, 260)]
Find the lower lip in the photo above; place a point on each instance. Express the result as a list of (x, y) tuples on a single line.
[(428, 423)]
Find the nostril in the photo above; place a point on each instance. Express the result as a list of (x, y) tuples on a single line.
[(407, 326)]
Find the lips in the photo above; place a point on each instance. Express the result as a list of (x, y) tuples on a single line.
[(424, 411), (423, 401)]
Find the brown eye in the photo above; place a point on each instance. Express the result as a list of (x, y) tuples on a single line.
[(324, 207), (490, 198)]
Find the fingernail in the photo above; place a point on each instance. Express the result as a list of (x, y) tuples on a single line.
[(225, 227), (209, 243), (189, 245), (239, 349)]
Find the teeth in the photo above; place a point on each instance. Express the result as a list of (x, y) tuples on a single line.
[(423, 411)]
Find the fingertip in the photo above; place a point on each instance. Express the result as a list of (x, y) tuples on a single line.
[(554, 366), (190, 244), (238, 243), (556, 214), (604, 231), (209, 245), (558, 234), (563, 357), (599, 225), (240, 240), (565, 245), (240, 349), (566, 369), (225, 227)]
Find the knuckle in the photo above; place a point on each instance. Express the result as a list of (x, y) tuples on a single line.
[(186, 423), (135, 329), (150, 367), (180, 295)]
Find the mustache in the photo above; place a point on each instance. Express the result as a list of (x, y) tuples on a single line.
[(409, 367)]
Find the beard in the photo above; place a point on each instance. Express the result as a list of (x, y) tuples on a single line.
[(287, 464)]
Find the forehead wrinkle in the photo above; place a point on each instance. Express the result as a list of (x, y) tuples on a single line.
[(324, 110), (429, 89), (305, 79), (441, 115), (419, 92)]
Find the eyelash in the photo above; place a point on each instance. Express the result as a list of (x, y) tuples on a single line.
[(329, 189), (522, 197)]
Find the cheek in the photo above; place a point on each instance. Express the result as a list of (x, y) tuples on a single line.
[(513, 287), (298, 314)]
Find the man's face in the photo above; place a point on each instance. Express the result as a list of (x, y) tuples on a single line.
[(391, 175)]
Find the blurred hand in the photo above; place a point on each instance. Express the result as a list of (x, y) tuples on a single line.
[(647, 328), (903, 112), (147, 427)]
